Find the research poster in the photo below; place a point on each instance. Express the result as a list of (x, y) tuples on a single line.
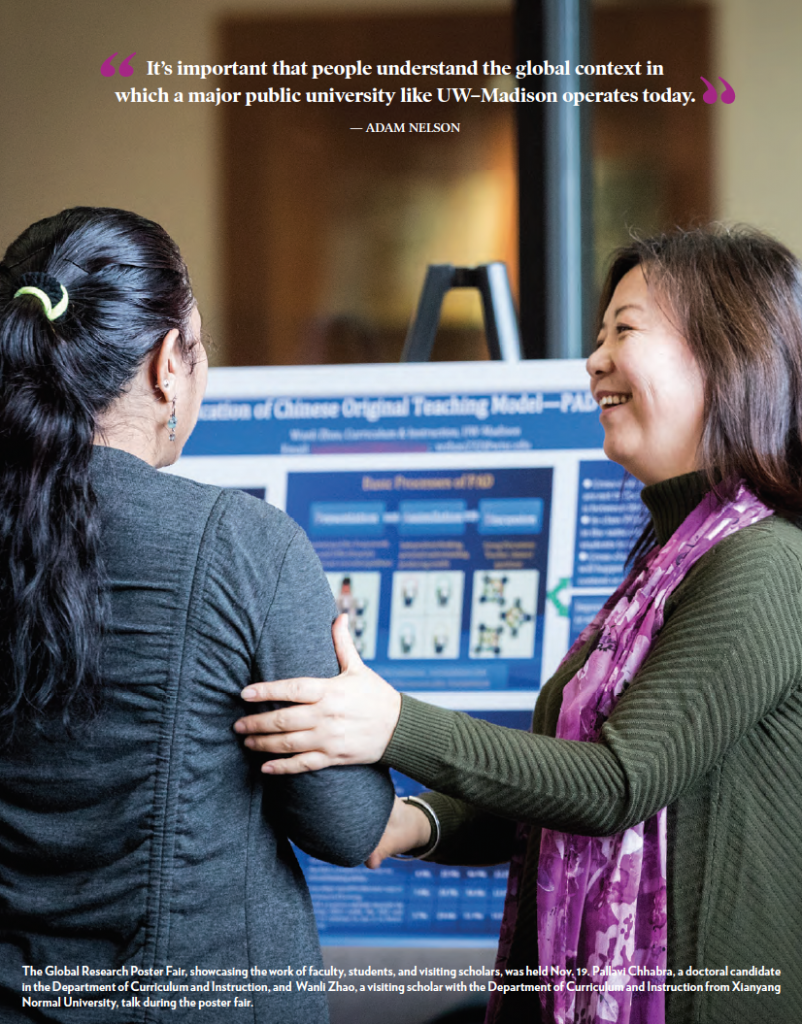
[(470, 527)]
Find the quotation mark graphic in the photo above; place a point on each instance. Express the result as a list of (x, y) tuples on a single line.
[(125, 69), (711, 95)]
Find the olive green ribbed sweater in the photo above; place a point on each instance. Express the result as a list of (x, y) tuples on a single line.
[(711, 727)]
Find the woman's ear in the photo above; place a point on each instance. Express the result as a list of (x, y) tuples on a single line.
[(165, 365)]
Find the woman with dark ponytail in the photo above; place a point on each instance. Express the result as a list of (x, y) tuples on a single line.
[(85, 297), (135, 831)]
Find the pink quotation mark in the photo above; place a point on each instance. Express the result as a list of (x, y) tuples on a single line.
[(125, 69), (711, 95)]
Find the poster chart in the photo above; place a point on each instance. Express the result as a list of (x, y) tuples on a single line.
[(470, 527)]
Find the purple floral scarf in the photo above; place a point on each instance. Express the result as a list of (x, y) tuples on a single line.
[(602, 901)]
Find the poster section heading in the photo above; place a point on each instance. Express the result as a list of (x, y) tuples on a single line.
[(297, 425)]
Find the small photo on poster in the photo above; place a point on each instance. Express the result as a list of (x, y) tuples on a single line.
[(357, 595), (503, 609), (426, 614)]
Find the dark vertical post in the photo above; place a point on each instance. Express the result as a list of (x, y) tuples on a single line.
[(555, 182), (530, 43)]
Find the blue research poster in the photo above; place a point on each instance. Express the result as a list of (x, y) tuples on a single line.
[(469, 525)]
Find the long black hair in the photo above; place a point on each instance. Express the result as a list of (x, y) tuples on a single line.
[(127, 286)]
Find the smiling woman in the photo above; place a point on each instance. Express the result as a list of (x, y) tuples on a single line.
[(648, 384), (719, 311), (652, 815)]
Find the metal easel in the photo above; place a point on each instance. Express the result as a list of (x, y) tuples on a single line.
[(500, 318)]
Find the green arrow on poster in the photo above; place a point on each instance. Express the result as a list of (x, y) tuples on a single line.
[(553, 595)]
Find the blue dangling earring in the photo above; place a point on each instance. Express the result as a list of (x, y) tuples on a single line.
[(172, 422)]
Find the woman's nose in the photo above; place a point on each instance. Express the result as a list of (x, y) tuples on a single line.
[(598, 361)]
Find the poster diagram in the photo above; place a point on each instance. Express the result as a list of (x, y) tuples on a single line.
[(357, 595), (503, 614), (415, 558), (426, 614)]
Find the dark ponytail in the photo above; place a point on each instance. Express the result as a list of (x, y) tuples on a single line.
[(127, 286)]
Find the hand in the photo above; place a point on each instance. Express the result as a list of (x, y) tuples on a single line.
[(346, 720), (407, 829)]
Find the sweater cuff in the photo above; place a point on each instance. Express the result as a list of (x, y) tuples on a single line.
[(450, 816), (423, 731), (421, 852)]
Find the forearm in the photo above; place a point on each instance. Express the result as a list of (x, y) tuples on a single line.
[(505, 773)]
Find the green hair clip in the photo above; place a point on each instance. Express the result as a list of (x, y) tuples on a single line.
[(52, 312)]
